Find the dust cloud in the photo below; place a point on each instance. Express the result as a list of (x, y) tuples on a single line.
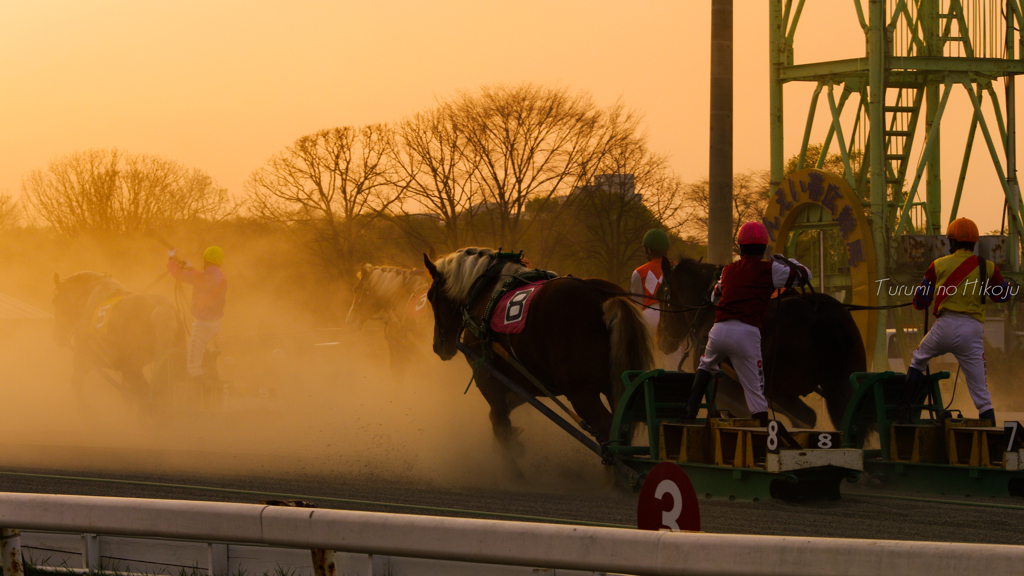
[(310, 396)]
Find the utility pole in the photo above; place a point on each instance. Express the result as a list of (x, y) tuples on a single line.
[(720, 169)]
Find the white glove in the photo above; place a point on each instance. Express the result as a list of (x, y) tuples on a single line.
[(170, 253)]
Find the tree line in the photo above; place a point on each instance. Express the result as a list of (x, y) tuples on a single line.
[(543, 169)]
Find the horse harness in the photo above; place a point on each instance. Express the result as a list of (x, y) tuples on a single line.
[(481, 329)]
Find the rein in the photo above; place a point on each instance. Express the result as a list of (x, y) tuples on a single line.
[(856, 307), (666, 289)]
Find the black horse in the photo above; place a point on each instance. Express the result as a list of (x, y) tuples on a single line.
[(809, 343), (580, 335), (111, 328)]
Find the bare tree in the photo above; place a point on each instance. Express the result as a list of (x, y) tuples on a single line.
[(11, 213), (750, 193), (833, 162), (633, 194), (110, 191), (436, 166), (527, 142), (665, 197), (337, 181)]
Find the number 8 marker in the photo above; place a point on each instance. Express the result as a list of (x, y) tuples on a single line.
[(773, 435), (824, 441)]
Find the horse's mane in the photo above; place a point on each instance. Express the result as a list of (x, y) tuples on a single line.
[(462, 267), (691, 266), (391, 281), (89, 278)]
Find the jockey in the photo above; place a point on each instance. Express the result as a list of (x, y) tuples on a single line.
[(958, 288), (645, 280), (741, 298), (208, 290)]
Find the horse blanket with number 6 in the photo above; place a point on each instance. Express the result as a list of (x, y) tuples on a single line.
[(510, 313)]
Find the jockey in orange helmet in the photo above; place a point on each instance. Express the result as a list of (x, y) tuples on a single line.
[(958, 286), (741, 298), (646, 279)]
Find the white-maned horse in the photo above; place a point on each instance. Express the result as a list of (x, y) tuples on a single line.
[(398, 298)]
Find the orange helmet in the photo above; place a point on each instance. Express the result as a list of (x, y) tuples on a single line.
[(962, 230)]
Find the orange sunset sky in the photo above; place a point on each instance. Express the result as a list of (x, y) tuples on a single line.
[(222, 85)]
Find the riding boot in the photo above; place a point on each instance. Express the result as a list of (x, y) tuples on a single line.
[(910, 390), (989, 415), (700, 385), (761, 417)]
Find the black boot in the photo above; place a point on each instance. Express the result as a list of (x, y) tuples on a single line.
[(700, 385), (761, 417), (910, 389), (989, 415)]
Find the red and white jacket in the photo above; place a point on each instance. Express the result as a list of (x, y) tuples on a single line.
[(747, 284), (645, 280)]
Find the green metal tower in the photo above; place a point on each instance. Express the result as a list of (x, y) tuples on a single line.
[(917, 53)]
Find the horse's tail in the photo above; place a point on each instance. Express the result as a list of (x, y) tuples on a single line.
[(839, 352), (632, 347), (168, 338)]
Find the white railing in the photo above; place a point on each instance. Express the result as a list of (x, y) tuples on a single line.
[(500, 542)]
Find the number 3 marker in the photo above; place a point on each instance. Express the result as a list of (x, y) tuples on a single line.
[(667, 500), (669, 517)]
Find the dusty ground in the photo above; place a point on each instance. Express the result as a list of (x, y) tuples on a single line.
[(337, 426)]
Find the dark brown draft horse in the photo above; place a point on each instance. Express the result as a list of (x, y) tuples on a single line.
[(108, 327), (580, 335), (809, 343)]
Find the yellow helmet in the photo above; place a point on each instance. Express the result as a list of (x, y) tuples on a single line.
[(214, 255)]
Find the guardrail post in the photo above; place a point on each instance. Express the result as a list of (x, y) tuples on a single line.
[(10, 551), (380, 565), (218, 556), (91, 552), (323, 562)]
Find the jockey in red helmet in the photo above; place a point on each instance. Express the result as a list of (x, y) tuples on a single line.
[(958, 287), (741, 297)]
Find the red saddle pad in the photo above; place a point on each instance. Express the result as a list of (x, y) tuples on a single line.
[(510, 314)]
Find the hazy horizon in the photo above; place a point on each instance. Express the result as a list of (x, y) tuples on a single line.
[(222, 86)]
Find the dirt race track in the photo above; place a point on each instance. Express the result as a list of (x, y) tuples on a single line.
[(338, 428), (857, 515)]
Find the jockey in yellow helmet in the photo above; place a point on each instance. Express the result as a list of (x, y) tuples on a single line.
[(209, 288)]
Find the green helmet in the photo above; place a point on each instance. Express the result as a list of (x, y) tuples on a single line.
[(656, 240)]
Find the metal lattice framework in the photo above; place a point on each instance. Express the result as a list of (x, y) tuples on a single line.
[(917, 53)]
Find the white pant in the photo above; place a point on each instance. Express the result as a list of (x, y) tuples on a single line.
[(741, 343), (963, 336), (667, 361), (203, 331)]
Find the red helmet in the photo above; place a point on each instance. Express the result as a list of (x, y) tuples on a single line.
[(752, 233), (962, 230)]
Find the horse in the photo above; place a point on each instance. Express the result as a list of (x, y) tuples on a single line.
[(110, 328), (580, 335), (398, 297), (809, 343)]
